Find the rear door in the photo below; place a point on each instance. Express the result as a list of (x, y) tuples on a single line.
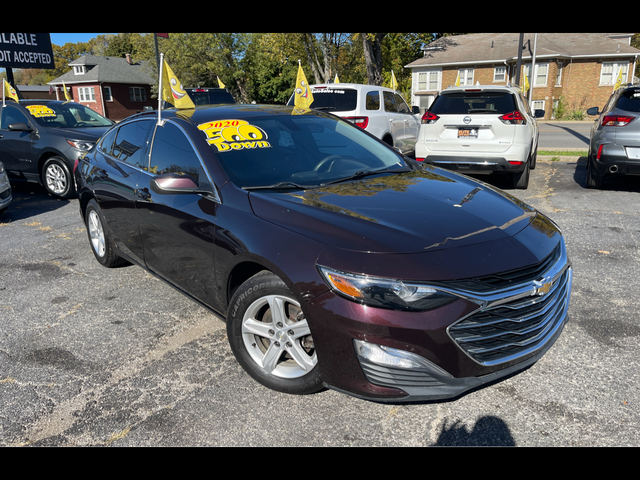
[(470, 121), (16, 146)]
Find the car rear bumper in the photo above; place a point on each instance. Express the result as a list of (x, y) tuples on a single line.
[(616, 162), (475, 164)]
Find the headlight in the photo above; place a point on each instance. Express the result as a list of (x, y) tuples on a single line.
[(385, 292), (81, 145)]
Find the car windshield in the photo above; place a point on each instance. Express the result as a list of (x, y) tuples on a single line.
[(66, 115), (463, 103), (293, 151)]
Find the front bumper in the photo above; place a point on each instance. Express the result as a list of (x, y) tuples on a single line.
[(478, 339)]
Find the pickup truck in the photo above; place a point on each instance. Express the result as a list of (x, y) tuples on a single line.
[(379, 110)]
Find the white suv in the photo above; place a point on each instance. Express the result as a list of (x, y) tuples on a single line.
[(481, 129), (379, 110)]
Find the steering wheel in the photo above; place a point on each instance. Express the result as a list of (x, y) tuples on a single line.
[(325, 160)]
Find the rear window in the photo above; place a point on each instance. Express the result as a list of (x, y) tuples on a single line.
[(482, 102), (206, 96), (333, 99), (630, 101)]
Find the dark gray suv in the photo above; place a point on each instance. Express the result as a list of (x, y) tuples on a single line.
[(614, 148), (40, 140)]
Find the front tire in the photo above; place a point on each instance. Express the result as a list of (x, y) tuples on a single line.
[(57, 178), (101, 243), (270, 336)]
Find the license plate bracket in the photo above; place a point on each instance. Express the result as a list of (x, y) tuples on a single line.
[(467, 132)]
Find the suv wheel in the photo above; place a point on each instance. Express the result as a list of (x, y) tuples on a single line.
[(57, 179), (521, 179), (593, 179)]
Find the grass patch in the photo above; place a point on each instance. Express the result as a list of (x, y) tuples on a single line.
[(571, 153)]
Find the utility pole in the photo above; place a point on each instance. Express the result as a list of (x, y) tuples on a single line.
[(519, 63)]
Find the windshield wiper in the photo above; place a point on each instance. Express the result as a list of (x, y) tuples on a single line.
[(366, 173), (275, 186)]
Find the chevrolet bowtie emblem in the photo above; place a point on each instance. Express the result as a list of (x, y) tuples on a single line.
[(541, 287)]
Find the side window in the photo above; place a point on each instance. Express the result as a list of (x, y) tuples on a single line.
[(389, 102), (372, 101), (106, 145), (172, 153), (11, 115), (131, 143), (401, 105)]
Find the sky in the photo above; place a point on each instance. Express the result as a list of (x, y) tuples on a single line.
[(61, 38)]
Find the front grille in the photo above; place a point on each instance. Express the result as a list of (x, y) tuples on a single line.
[(503, 331)]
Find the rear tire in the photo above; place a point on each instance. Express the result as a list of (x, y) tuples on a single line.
[(521, 179), (593, 179), (270, 336)]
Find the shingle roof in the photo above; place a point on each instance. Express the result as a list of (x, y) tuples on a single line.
[(498, 47), (107, 70)]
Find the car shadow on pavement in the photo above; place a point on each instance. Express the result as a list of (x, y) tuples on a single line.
[(30, 199)]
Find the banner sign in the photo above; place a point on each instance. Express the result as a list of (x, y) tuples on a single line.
[(26, 50)]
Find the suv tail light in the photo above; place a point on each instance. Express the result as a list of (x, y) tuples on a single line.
[(616, 120), (359, 121), (513, 118), (429, 117)]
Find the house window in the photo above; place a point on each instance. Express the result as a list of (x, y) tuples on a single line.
[(610, 71), (465, 76), (559, 74), (79, 70), (500, 74), (107, 94), (537, 105), (137, 94), (86, 94), (429, 81), (542, 71)]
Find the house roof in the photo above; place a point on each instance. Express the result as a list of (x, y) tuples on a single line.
[(500, 47), (107, 70)]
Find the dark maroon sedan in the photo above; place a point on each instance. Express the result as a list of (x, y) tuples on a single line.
[(336, 261)]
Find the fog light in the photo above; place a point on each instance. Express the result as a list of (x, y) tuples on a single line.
[(391, 357)]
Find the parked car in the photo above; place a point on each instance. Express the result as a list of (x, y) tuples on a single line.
[(378, 110), (336, 261), (481, 130), (40, 141), (210, 96), (5, 189), (614, 146)]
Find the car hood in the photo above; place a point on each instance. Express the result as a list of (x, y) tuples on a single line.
[(411, 212), (81, 133)]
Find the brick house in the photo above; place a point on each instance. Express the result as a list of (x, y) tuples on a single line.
[(112, 86), (577, 69)]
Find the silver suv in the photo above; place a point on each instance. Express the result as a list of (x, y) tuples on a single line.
[(379, 110), (614, 148), (481, 129)]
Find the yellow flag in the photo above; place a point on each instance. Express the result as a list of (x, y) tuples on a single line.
[(9, 91), (220, 84), (172, 91), (304, 97), (336, 79), (394, 83), (458, 79), (618, 81), (66, 94), (526, 84)]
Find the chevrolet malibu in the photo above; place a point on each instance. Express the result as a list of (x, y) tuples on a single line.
[(336, 261)]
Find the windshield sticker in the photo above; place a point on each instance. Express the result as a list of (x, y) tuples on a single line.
[(40, 111), (228, 135)]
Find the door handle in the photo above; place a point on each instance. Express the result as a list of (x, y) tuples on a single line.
[(102, 174)]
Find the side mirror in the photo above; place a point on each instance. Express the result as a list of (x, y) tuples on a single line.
[(174, 183), (20, 127), (593, 111)]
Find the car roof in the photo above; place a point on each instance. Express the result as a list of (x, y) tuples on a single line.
[(483, 88), (208, 113), (356, 86)]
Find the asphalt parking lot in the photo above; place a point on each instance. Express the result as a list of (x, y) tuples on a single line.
[(97, 357)]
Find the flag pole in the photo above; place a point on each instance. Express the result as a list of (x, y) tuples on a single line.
[(160, 65)]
